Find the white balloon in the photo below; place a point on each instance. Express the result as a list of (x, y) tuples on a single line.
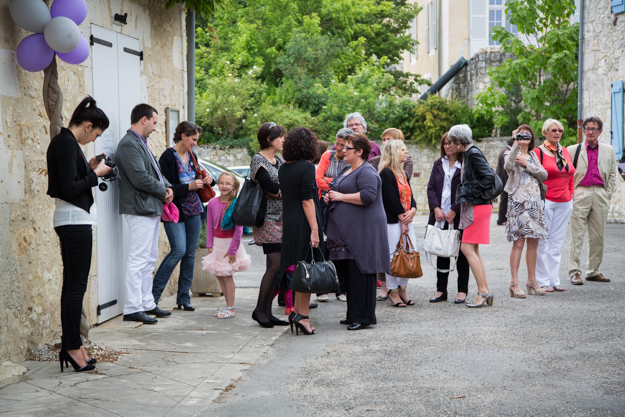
[(32, 15), (62, 34)]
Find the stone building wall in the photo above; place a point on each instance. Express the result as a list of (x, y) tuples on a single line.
[(30, 264), (603, 63), (227, 156), (473, 78)]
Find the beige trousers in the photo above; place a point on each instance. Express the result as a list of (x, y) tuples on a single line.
[(590, 211)]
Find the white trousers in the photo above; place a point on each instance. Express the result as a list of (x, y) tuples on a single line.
[(548, 260), (394, 233), (141, 258)]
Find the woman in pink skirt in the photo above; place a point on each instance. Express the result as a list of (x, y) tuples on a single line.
[(476, 176), (226, 254)]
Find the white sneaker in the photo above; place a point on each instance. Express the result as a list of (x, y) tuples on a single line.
[(341, 297), (323, 297)]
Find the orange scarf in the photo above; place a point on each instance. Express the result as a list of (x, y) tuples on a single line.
[(557, 151)]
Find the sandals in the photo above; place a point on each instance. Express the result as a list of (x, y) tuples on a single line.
[(394, 304), (381, 297), (226, 313), (516, 291), (548, 289), (558, 288), (409, 302)]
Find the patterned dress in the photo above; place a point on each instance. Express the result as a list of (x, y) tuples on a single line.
[(525, 210), (271, 230)]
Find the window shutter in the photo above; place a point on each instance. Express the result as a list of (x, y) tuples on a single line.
[(434, 13), (617, 118), (478, 25), (427, 27), (415, 53), (618, 6)]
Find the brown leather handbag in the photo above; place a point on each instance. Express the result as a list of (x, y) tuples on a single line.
[(406, 263), (205, 193)]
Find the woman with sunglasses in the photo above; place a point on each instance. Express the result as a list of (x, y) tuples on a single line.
[(556, 160), (526, 220)]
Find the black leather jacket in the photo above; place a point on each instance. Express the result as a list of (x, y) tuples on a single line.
[(477, 177)]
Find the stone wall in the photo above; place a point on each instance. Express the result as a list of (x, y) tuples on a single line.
[(473, 78), (30, 264), (227, 156), (603, 63)]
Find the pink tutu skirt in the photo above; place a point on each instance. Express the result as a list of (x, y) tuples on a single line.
[(217, 261)]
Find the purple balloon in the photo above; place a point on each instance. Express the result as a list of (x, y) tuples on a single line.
[(78, 55), (34, 54), (73, 9)]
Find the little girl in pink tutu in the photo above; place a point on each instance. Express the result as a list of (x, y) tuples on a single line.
[(226, 254)]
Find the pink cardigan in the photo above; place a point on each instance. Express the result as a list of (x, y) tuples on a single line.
[(213, 217)]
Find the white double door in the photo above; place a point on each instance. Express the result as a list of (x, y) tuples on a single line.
[(117, 89)]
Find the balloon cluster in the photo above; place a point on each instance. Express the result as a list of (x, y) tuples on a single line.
[(55, 31)]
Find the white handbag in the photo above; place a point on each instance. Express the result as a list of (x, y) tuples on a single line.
[(441, 243)]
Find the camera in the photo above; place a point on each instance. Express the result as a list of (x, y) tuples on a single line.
[(111, 176), (523, 136)]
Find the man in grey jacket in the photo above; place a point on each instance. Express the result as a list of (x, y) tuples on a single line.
[(143, 190)]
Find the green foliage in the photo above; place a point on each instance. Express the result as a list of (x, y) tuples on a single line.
[(201, 241), (435, 115), (546, 68)]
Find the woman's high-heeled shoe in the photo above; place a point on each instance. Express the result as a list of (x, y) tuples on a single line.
[(409, 302), (533, 286), (64, 356), (291, 319), (442, 297), (92, 361), (516, 293), (483, 303), (489, 299), (299, 326), (265, 324)]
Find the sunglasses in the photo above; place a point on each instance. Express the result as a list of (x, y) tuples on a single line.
[(557, 131), (349, 148)]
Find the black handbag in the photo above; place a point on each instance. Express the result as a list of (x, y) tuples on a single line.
[(249, 210), (494, 191), (315, 277)]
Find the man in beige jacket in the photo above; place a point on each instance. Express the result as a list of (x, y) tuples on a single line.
[(595, 182)]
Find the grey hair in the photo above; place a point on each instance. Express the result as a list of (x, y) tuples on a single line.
[(461, 133), (355, 116), (344, 132)]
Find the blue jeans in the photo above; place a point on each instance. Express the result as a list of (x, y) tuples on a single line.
[(183, 241)]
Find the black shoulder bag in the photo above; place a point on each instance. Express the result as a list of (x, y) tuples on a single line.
[(315, 276)]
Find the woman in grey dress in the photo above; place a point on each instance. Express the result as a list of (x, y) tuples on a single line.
[(526, 220), (356, 232)]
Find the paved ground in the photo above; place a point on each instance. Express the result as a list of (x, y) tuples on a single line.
[(562, 354)]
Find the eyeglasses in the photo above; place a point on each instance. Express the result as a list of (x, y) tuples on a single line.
[(339, 145), (447, 144), (354, 125), (557, 131), (591, 129), (349, 148)]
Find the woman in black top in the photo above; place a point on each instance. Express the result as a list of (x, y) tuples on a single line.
[(264, 169), (178, 166), (302, 223), (70, 179), (400, 208)]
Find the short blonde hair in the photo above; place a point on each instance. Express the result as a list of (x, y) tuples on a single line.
[(391, 156), (550, 122), (393, 133)]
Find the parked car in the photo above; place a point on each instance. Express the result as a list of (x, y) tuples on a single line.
[(242, 170), (215, 171)]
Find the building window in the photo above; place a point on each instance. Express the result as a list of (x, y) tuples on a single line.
[(427, 27), (497, 17), (433, 12), (413, 33)]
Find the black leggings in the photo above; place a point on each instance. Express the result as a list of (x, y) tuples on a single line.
[(76, 245), (268, 283)]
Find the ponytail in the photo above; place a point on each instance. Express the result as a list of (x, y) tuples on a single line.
[(88, 111)]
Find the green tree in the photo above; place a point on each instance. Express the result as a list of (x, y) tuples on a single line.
[(545, 67)]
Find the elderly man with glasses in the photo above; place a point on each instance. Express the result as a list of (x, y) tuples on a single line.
[(595, 182), (357, 123)]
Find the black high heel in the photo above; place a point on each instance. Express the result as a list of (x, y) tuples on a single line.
[(278, 322), (291, 319), (299, 326), (92, 361), (64, 356), (265, 324)]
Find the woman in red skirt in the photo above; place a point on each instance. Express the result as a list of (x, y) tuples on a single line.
[(476, 176)]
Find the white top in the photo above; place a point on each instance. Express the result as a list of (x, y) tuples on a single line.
[(67, 213), (449, 174)]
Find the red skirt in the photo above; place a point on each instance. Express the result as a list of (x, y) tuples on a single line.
[(479, 231)]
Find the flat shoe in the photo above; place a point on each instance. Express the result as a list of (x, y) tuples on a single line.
[(341, 297), (158, 312), (381, 297), (345, 322), (358, 326), (313, 305), (459, 301), (186, 307)]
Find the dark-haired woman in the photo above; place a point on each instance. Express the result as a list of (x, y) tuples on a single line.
[(526, 219), (356, 232), (178, 165), (264, 170), (70, 179), (444, 210), (302, 223)]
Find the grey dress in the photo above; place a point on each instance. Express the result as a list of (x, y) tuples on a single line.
[(271, 230)]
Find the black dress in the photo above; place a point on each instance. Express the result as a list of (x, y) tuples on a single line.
[(297, 183)]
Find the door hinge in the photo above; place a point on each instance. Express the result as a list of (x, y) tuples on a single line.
[(99, 41), (133, 52)]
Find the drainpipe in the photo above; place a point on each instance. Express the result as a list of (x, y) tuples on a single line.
[(439, 40), (191, 65), (580, 70)]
